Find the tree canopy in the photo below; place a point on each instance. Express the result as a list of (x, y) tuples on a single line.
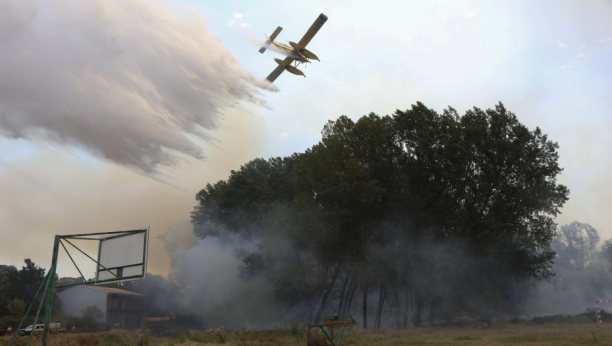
[(414, 209), (20, 286)]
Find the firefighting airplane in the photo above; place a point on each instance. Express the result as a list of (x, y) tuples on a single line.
[(297, 53)]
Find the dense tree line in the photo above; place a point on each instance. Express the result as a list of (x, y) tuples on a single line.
[(18, 288), (418, 215), (583, 274)]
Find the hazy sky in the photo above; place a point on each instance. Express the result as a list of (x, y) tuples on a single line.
[(115, 113)]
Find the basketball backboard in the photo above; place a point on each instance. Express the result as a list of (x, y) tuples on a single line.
[(123, 256)]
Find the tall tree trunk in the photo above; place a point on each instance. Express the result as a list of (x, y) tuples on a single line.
[(419, 310), (378, 307), (432, 311), (310, 314), (381, 304), (343, 294), (381, 299), (365, 305), (407, 307), (398, 311), (347, 297), (328, 291), (350, 302)]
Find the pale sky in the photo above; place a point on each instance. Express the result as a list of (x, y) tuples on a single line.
[(191, 114)]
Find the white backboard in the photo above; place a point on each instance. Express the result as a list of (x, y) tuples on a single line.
[(123, 256)]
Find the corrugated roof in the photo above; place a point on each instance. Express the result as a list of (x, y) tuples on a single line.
[(113, 290)]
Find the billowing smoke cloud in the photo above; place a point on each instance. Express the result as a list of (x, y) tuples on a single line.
[(216, 293), (128, 80)]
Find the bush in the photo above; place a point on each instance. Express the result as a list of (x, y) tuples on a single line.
[(112, 339), (144, 339), (197, 336), (16, 307), (182, 339), (216, 336), (220, 336), (13, 321), (91, 315), (296, 331)]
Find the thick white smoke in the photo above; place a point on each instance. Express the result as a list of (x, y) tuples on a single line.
[(128, 80), (217, 295)]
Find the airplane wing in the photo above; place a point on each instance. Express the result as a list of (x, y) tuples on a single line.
[(313, 30), (279, 69)]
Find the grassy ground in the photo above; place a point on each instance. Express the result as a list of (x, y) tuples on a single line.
[(507, 334)]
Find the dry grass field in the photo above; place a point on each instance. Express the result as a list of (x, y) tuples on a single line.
[(501, 334)]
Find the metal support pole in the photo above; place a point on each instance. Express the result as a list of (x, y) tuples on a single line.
[(73, 262), (45, 339), (42, 284), (42, 300)]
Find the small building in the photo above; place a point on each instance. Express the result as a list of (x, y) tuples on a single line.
[(126, 308)]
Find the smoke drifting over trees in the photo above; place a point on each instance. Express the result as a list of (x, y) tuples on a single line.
[(128, 81), (583, 274), (411, 218)]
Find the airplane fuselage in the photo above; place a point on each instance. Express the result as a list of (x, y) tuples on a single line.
[(290, 51)]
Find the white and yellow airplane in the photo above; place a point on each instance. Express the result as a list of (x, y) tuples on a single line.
[(296, 52)]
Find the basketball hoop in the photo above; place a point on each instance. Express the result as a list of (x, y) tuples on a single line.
[(122, 256)]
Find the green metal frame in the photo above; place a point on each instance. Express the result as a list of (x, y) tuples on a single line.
[(46, 294), (342, 334)]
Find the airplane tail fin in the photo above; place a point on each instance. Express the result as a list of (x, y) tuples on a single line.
[(270, 39)]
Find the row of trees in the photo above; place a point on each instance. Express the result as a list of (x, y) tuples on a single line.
[(428, 214), (583, 273), (18, 287)]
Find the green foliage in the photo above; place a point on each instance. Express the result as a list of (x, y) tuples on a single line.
[(113, 339), (90, 316), (577, 246), (182, 338), (197, 336), (297, 332), (239, 204), (143, 339), (14, 321), (16, 307), (19, 284), (216, 336), (408, 205)]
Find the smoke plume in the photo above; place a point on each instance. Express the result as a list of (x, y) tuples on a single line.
[(216, 293), (583, 274), (127, 80)]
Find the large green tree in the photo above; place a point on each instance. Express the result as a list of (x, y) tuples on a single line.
[(415, 209), (239, 204)]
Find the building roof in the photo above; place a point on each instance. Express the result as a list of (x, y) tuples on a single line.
[(107, 290)]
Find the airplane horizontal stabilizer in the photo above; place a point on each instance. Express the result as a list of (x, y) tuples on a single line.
[(270, 39), (265, 46)]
